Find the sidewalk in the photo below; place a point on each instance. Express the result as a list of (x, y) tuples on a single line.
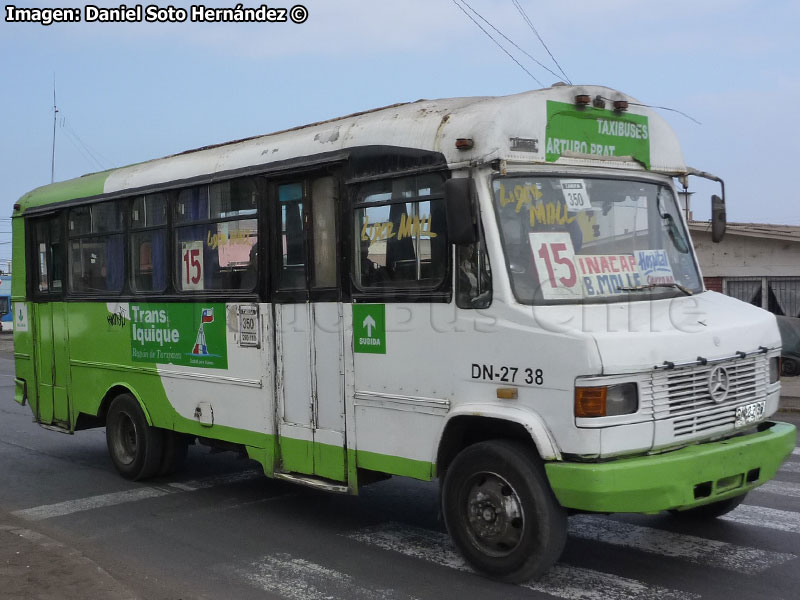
[(790, 394), (36, 567)]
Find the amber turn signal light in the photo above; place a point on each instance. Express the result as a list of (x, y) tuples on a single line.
[(509, 393), (590, 401)]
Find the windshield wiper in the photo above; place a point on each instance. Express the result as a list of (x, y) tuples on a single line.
[(650, 286)]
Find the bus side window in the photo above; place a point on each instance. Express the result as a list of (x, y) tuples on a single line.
[(307, 239), (292, 273), (216, 236), (474, 276), (324, 195), (96, 250), (49, 247), (401, 234), (149, 262)]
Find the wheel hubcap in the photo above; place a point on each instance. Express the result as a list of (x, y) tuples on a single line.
[(125, 443), (495, 520)]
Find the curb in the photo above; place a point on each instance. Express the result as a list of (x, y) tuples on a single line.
[(94, 580), (789, 404)]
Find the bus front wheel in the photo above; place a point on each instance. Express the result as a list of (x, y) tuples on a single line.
[(501, 513), (135, 447)]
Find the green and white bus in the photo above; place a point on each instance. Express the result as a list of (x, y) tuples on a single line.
[(498, 292)]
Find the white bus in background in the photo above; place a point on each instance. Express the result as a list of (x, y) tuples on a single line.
[(500, 293)]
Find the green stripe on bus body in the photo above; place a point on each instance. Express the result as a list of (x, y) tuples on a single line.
[(325, 460), (82, 187), (396, 465)]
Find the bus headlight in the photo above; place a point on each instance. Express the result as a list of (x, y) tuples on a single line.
[(774, 368), (607, 400)]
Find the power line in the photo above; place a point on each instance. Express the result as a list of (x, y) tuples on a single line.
[(512, 42), (83, 148), (675, 110), (530, 24), (680, 112), (77, 147), (499, 45), (71, 131)]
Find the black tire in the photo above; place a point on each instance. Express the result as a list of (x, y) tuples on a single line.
[(176, 446), (710, 511), (790, 367), (501, 512), (135, 447)]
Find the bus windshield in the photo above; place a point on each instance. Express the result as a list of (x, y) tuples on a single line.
[(572, 239)]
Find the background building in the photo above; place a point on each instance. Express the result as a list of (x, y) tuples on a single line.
[(757, 263)]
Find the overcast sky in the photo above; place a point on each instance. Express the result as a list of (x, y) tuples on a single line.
[(136, 91)]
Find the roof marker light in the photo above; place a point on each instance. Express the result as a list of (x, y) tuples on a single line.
[(465, 143), (620, 105), (583, 99)]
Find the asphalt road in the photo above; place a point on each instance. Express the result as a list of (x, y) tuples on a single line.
[(219, 529)]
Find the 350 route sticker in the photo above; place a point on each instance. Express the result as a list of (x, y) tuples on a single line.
[(576, 195)]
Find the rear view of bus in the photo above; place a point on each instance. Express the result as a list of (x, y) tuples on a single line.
[(500, 293)]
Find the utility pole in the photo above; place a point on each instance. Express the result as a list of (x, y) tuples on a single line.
[(55, 116)]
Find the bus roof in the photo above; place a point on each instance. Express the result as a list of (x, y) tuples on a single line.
[(540, 126)]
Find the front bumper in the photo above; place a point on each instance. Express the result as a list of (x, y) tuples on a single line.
[(680, 479)]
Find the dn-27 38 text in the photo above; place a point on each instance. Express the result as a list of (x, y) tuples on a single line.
[(505, 374)]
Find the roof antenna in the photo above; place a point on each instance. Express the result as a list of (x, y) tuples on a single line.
[(55, 116)]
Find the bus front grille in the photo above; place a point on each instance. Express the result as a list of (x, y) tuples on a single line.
[(683, 395)]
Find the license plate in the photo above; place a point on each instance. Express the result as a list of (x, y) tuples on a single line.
[(750, 413)]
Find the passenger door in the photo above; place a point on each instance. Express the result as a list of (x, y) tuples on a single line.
[(309, 336), (50, 341)]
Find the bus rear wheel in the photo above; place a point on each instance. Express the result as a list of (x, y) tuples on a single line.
[(501, 513), (135, 447)]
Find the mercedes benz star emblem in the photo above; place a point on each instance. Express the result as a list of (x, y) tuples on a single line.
[(718, 384)]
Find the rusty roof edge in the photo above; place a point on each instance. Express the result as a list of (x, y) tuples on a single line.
[(297, 128), (767, 230)]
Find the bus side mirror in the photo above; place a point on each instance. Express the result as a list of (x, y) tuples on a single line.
[(718, 219), (460, 211)]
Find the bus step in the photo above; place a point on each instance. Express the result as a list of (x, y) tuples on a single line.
[(315, 482), (64, 429)]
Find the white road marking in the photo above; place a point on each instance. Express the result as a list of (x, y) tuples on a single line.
[(298, 579), (782, 488), (790, 467), (213, 481), (68, 507), (48, 511), (562, 581), (712, 553), (760, 516)]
